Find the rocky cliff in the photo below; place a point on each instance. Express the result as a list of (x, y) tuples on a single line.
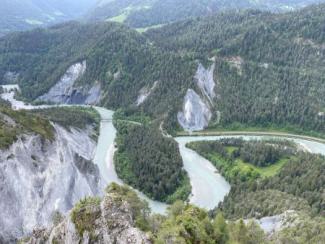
[(39, 177), (110, 220), (65, 91), (205, 81), (196, 113)]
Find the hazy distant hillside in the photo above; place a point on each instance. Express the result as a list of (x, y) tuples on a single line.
[(16, 15), (144, 13)]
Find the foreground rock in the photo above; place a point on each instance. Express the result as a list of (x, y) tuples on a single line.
[(110, 220), (40, 177)]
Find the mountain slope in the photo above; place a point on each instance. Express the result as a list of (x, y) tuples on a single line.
[(16, 15), (231, 70), (120, 60), (144, 13), (268, 67)]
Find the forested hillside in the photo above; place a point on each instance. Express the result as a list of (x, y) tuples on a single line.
[(147, 13), (298, 186), (120, 59), (267, 67)]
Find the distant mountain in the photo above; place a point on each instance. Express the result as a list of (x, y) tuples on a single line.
[(16, 15), (144, 13)]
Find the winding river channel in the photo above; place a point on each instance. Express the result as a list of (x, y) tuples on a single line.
[(208, 186)]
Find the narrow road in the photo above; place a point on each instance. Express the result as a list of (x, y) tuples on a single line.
[(252, 133)]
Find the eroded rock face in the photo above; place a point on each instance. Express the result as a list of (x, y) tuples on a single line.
[(196, 113), (111, 222), (10, 77), (64, 91), (205, 81), (39, 177), (144, 93), (274, 224)]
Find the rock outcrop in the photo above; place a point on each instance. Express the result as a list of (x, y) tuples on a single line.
[(10, 77), (107, 221), (205, 81), (272, 224), (65, 91), (196, 113), (39, 177), (144, 93)]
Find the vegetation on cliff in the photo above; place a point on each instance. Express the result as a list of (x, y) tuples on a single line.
[(183, 223), (76, 117), (16, 123)]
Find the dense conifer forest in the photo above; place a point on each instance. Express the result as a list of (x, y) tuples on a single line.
[(301, 178), (268, 66), (150, 162)]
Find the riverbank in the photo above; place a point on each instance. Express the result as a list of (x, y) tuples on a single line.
[(251, 133)]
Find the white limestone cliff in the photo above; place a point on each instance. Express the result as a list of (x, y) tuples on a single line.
[(195, 114), (65, 92), (39, 177)]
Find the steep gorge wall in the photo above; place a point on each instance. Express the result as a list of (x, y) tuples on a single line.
[(197, 108), (65, 91), (39, 177)]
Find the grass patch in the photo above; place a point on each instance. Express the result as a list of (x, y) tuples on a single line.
[(144, 29), (119, 18), (264, 171), (34, 22), (238, 169)]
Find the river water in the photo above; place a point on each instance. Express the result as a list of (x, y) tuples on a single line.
[(208, 187), (105, 153)]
